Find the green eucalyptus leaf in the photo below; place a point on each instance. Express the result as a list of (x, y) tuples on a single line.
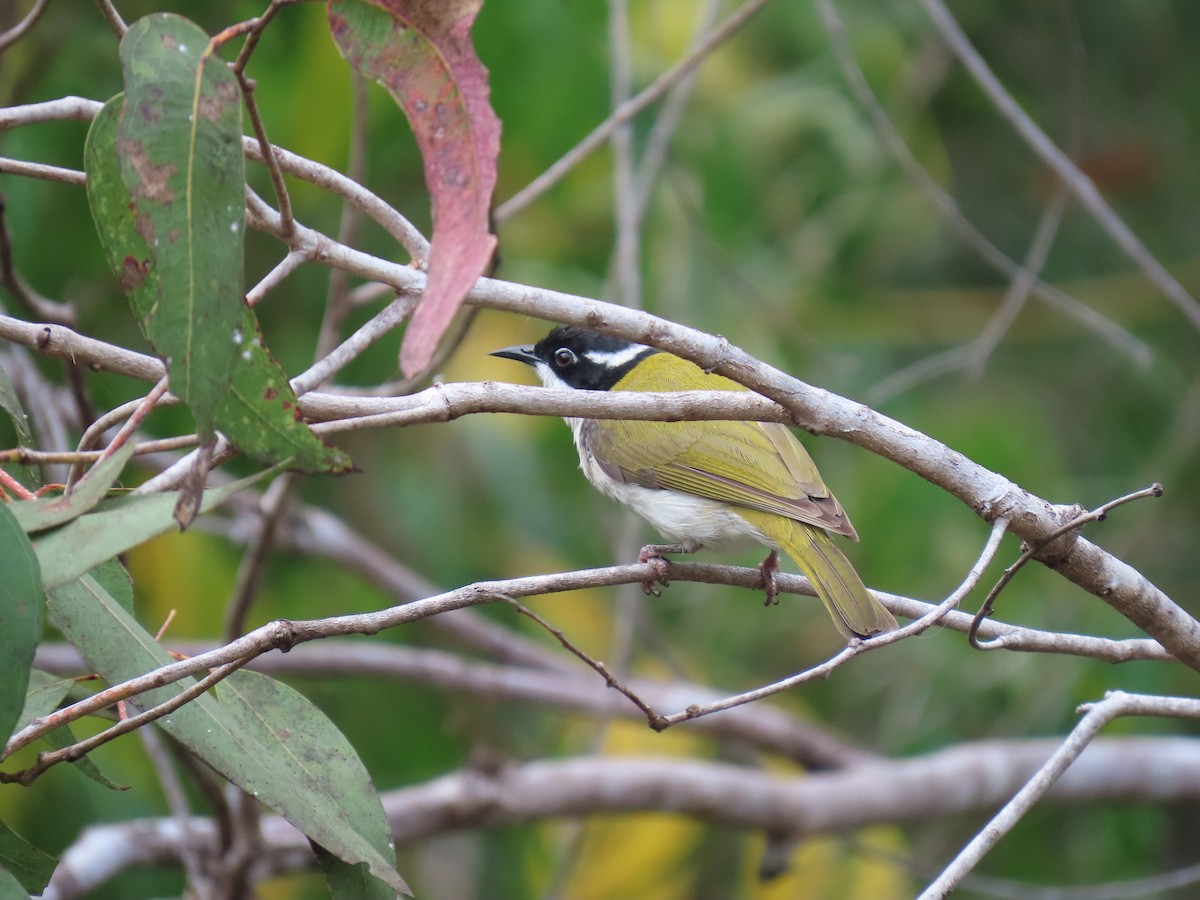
[(47, 512), (179, 148), (21, 613), (259, 412), (277, 714), (115, 526), (28, 869), (244, 743), (114, 578)]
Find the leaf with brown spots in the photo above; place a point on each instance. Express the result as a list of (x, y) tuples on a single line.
[(179, 152), (129, 255), (261, 416), (257, 412), (421, 51)]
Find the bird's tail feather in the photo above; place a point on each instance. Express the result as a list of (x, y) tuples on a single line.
[(854, 611)]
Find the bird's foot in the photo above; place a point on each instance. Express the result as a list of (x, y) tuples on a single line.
[(770, 569), (653, 554)]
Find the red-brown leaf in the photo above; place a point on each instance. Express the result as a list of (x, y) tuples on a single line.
[(421, 51)]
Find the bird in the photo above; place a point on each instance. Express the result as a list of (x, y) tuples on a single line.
[(706, 484)]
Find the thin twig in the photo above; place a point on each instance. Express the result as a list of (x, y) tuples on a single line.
[(856, 647), (314, 532), (286, 634), (52, 457), (282, 197), (348, 350), (1098, 715), (255, 32), (1080, 185), (258, 550), (42, 171), (595, 664), (18, 31), (82, 109), (135, 419), (942, 201), (1011, 889), (285, 267), (115, 22), (403, 231), (192, 469), (81, 748), (626, 111)]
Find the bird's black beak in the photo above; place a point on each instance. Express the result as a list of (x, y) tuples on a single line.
[(519, 353)]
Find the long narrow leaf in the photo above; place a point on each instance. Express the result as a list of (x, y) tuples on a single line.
[(246, 745), (116, 526), (279, 716), (21, 611), (179, 147), (259, 411), (28, 865), (422, 53), (47, 512)]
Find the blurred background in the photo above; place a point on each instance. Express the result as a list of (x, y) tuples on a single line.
[(780, 221)]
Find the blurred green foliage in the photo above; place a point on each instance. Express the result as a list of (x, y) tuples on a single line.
[(781, 223)]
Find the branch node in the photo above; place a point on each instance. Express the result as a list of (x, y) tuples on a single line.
[(1062, 543), (285, 637)]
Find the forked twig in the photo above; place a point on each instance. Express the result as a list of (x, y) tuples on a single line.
[(628, 110), (1095, 515)]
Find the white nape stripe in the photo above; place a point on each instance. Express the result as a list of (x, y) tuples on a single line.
[(616, 358)]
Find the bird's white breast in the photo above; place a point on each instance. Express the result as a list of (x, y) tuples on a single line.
[(678, 517)]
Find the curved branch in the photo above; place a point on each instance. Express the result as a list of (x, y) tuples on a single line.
[(284, 635), (963, 779)]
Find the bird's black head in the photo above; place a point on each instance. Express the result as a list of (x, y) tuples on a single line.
[(576, 358)]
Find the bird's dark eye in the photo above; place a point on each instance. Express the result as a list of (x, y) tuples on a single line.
[(564, 357)]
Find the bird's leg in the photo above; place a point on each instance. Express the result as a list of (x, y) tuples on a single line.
[(770, 568), (653, 554)]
